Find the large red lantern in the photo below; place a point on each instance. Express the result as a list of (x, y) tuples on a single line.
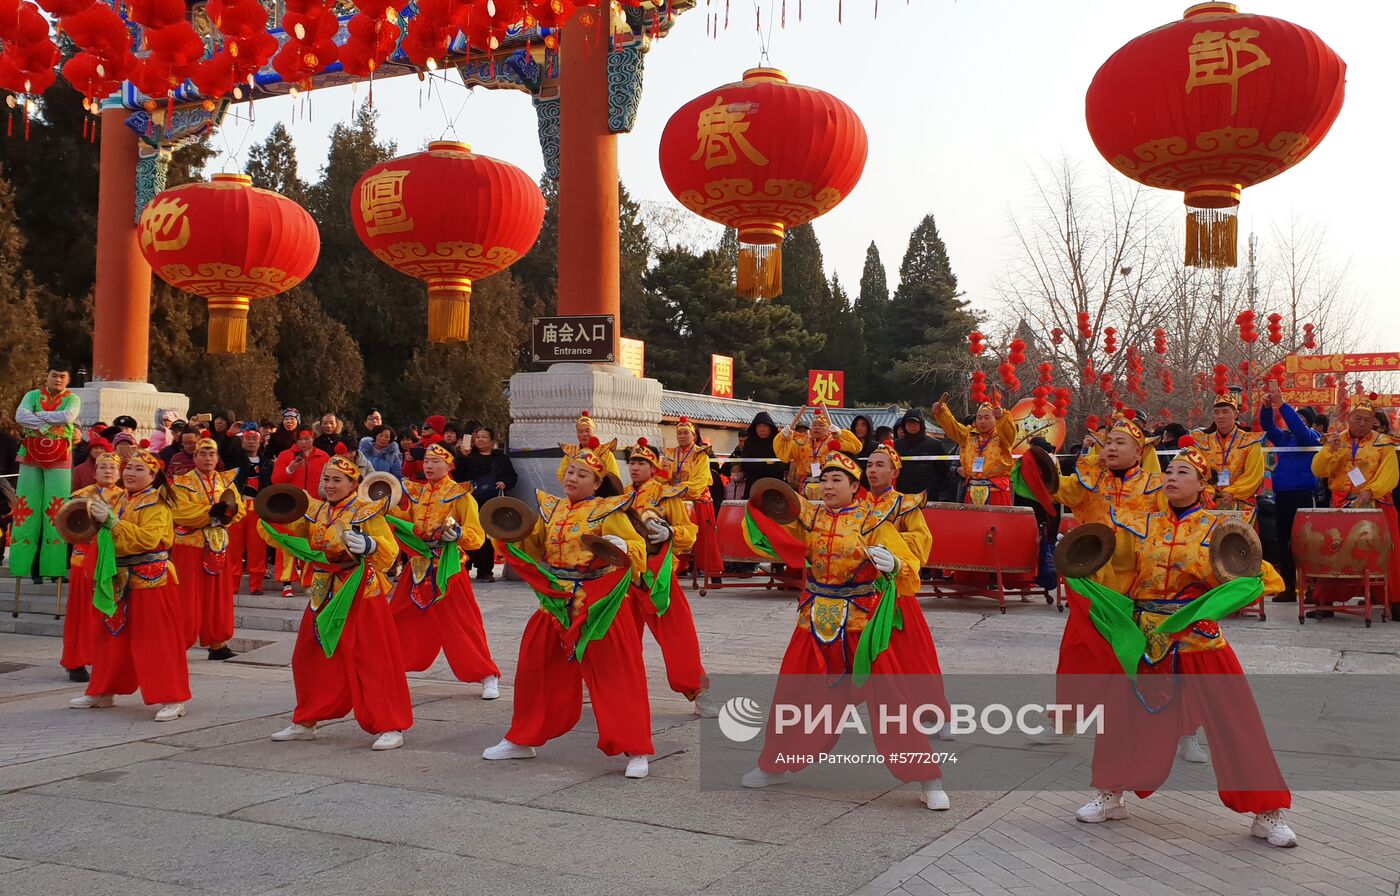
[(229, 242), (762, 155), (1211, 104), (447, 216)]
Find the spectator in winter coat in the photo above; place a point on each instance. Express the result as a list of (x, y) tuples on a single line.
[(758, 442), (162, 436), (861, 429), (927, 476), (491, 474), (285, 436), (382, 451), (301, 464)]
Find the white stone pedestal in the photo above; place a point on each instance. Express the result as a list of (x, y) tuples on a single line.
[(544, 408), (108, 400)]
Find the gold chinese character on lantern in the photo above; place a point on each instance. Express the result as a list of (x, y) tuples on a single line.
[(164, 226), (381, 203), (720, 131), (1215, 58)]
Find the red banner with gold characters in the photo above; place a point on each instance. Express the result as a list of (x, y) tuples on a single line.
[(634, 355), (827, 388), (721, 376)]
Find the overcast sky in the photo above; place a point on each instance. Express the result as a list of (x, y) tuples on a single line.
[(962, 100)]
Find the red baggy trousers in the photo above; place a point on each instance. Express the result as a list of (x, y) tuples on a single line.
[(364, 675), (452, 625), (142, 646)]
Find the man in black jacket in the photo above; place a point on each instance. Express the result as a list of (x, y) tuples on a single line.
[(927, 476)]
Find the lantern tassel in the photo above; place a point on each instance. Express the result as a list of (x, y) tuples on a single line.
[(449, 309), (1211, 237), (228, 326), (760, 274)]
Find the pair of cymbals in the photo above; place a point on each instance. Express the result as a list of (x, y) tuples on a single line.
[(509, 519), (1235, 550), (776, 499)]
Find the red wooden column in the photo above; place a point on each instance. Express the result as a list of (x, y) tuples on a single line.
[(122, 316), (589, 271)]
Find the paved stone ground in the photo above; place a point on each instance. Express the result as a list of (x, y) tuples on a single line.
[(97, 802)]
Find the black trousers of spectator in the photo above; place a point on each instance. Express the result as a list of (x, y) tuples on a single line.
[(1286, 506), (483, 559)]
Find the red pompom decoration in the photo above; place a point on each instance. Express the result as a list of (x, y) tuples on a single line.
[(642, 442), (1186, 442), (834, 444), (594, 443), (340, 448)]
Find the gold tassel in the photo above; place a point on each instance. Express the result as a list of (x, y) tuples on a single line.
[(1211, 237), (760, 274), (449, 309), (228, 326)]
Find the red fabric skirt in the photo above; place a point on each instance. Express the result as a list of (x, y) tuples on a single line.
[(142, 646), (80, 620), (1137, 747), (452, 625), (247, 552), (364, 676)]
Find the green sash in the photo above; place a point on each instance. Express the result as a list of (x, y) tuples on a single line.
[(449, 562), (104, 574), (875, 640), (660, 584), (330, 620)]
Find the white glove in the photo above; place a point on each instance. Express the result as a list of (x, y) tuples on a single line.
[(99, 511), (885, 561), (658, 532), (358, 543), (450, 534), (617, 542)]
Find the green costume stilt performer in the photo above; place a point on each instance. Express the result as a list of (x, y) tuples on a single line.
[(48, 420)]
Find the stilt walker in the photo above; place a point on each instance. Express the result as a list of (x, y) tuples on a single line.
[(207, 503), (661, 605), (81, 622), (141, 644), (434, 607), (582, 632), (688, 465), (347, 655), (1157, 604), (48, 418), (843, 651)]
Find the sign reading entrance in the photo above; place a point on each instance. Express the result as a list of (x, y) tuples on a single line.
[(826, 387), (585, 337)]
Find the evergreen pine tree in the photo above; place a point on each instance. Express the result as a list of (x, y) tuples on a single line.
[(868, 382), (273, 165), (928, 321)]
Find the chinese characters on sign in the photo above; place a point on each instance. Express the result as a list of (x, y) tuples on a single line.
[(588, 338), (634, 355), (826, 387), (381, 204), (1216, 59), (721, 376), (720, 130)]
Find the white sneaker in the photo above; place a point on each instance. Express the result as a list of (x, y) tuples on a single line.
[(1190, 750), (100, 701), (934, 797), (170, 712), (759, 778), (507, 750), (490, 687), (637, 766), (1107, 805), (705, 706), (389, 740), (1270, 826), (296, 732)]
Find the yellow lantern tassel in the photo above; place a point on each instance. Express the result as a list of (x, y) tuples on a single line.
[(760, 274), (1211, 237), (228, 326), (449, 309)]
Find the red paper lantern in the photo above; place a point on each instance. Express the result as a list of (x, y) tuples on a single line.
[(1309, 336), (229, 242), (730, 156), (1211, 104), (1057, 336), (402, 216)]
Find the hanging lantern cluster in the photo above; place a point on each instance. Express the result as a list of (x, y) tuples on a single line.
[(1110, 340), (1135, 373), (1086, 332), (493, 219), (1211, 104), (1159, 341), (27, 56), (1309, 336), (1275, 328), (1168, 386), (247, 47), (1277, 373), (979, 386), (1222, 379), (1245, 321), (976, 343), (231, 243), (1057, 336), (1062, 399), (1016, 353), (730, 156), (104, 59)]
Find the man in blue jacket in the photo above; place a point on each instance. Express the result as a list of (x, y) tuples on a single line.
[(1294, 484)]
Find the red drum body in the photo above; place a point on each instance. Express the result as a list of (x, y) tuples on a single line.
[(1341, 553), (990, 550)]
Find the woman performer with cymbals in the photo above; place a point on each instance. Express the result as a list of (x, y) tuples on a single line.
[(141, 643), (661, 604), (1170, 576), (581, 556), (207, 504), (81, 622), (434, 607), (347, 652), (984, 451), (844, 650)]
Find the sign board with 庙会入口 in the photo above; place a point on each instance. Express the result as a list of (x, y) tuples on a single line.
[(590, 338)]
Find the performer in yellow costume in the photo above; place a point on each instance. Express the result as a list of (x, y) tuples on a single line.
[(688, 465), (606, 451), (1236, 457), (984, 451), (434, 607), (1158, 606), (201, 554), (803, 452), (844, 650), (81, 622), (1112, 478)]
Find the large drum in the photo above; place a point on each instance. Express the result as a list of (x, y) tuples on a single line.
[(1341, 553), (731, 534), (990, 550)]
